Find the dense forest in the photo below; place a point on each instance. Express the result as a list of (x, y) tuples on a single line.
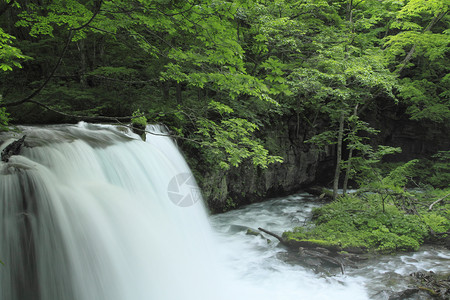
[(264, 97), (228, 76)]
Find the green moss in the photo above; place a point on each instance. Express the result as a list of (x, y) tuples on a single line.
[(353, 222), (322, 243)]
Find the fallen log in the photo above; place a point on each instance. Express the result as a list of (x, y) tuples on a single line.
[(329, 255), (274, 235), (321, 192), (13, 149)]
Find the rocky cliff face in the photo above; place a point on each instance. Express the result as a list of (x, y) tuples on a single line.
[(302, 166), (417, 139)]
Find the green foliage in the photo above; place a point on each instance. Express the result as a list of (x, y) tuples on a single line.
[(441, 170), (229, 204), (43, 19), (217, 72), (354, 222), (230, 140), (399, 176), (139, 119), (365, 167), (437, 223), (421, 44), (10, 56), (434, 171)]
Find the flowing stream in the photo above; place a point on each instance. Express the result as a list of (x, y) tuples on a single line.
[(90, 212), (263, 264)]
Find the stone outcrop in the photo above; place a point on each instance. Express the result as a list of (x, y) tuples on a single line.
[(302, 166)]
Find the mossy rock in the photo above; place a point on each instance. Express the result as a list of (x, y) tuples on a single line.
[(139, 129)]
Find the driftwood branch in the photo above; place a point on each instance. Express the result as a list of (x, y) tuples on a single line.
[(273, 234), (437, 201), (327, 254)]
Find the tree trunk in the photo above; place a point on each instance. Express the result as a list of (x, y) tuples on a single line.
[(83, 64), (178, 94), (338, 156), (347, 172), (165, 91), (349, 163)]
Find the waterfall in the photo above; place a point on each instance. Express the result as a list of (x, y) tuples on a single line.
[(91, 212)]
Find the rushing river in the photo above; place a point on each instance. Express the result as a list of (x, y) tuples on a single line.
[(91, 212), (260, 263)]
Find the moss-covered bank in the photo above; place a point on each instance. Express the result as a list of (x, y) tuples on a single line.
[(358, 224)]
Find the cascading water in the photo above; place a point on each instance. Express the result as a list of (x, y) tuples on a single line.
[(91, 212), (86, 214)]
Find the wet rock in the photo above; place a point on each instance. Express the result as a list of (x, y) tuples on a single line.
[(139, 129), (404, 294), (426, 285), (13, 149)]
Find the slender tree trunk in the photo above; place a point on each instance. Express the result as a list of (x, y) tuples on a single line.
[(200, 94), (349, 163), (347, 172), (165, 88), (178, 94), (338, 156), (83, 64)]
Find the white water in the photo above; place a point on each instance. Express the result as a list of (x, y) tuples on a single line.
[(88, 217), (263, 264), (90, 212)]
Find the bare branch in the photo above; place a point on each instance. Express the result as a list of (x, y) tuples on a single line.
[(437, 201), (410, 54)]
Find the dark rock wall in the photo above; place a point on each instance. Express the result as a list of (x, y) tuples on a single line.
[(302, 166), (417, 138)]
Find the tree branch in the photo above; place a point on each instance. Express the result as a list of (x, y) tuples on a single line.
[(58, 63), (114, 119), (437, 201), (38, 90), (273, 234), (103, 118), (413, 49), (98, 6)]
